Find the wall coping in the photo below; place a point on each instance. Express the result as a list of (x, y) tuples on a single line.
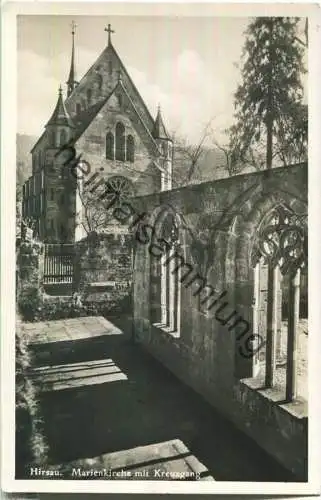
[(256, 176), (298, 409)]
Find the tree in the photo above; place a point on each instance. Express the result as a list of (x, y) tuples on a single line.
[(188, 156), (231, 155), (99, 199), (93, 215), (18, 208), (270, 118), (23, 223)]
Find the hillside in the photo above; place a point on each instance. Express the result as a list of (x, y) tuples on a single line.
[(210, 166), (24, 163)]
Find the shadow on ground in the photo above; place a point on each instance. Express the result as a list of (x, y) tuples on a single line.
[(148, 406)]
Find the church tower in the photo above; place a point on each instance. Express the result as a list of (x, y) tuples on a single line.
[(60, 197), (165, 144), (104, 119)]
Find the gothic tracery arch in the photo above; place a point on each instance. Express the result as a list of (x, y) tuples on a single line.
[(273, 234)]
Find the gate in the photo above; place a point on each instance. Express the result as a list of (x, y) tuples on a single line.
[(59, 263)]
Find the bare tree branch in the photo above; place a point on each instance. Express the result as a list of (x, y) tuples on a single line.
[(187, 155), (93, 214)]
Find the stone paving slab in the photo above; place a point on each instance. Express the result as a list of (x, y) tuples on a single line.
[(66, 330), (72, 375), (169, 460), (129, 424)]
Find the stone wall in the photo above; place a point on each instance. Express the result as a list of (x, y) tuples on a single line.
[(103, 271), (102, 280), (29, 276), (218, 221)]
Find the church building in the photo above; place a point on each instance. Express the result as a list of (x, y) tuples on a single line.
[(105, 123)]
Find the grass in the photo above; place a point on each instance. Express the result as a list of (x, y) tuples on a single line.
[(31, 448)]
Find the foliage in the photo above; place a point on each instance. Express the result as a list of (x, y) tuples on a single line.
[(31, 247), (119, 306), (29, 302), (47, 308), (35, 307), (270, 118), (18, 209), (31, 448), (54, 308)]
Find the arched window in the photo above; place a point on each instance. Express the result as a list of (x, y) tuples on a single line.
[(165, 277), (63, 137), (89, 95), (52, 138), (279, 260), (120, 142), (99, 81), (110, 146), (63, 232), (110, 67), (130, 150), (78, 108)]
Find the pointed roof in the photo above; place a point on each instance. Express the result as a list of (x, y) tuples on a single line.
[(131, 88), (60, 115), (82, 121), (71, 82), (71, 77), (159, 130), (86, 117)]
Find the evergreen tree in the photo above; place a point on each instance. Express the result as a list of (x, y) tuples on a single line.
[(270, 118)]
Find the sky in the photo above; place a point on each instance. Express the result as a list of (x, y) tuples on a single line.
[(187, 65)]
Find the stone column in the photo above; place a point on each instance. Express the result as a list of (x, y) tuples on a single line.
[(255, 314), (154, 277), (272, 312), (280, 334), (164, 284), (292, 350)]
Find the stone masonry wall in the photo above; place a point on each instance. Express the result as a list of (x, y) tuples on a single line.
[(30, 265), (92, 146), (218, 221), (103, 271), (102, 277)]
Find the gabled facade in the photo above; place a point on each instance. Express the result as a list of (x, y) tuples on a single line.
[(107, 122)]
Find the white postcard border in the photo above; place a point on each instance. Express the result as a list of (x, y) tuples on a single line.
[(8, 178)]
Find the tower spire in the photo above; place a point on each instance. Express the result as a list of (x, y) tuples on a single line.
[(159, 130), (71, 82), (60, 115)]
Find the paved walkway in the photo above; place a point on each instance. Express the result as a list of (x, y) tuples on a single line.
[(112, 412)]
